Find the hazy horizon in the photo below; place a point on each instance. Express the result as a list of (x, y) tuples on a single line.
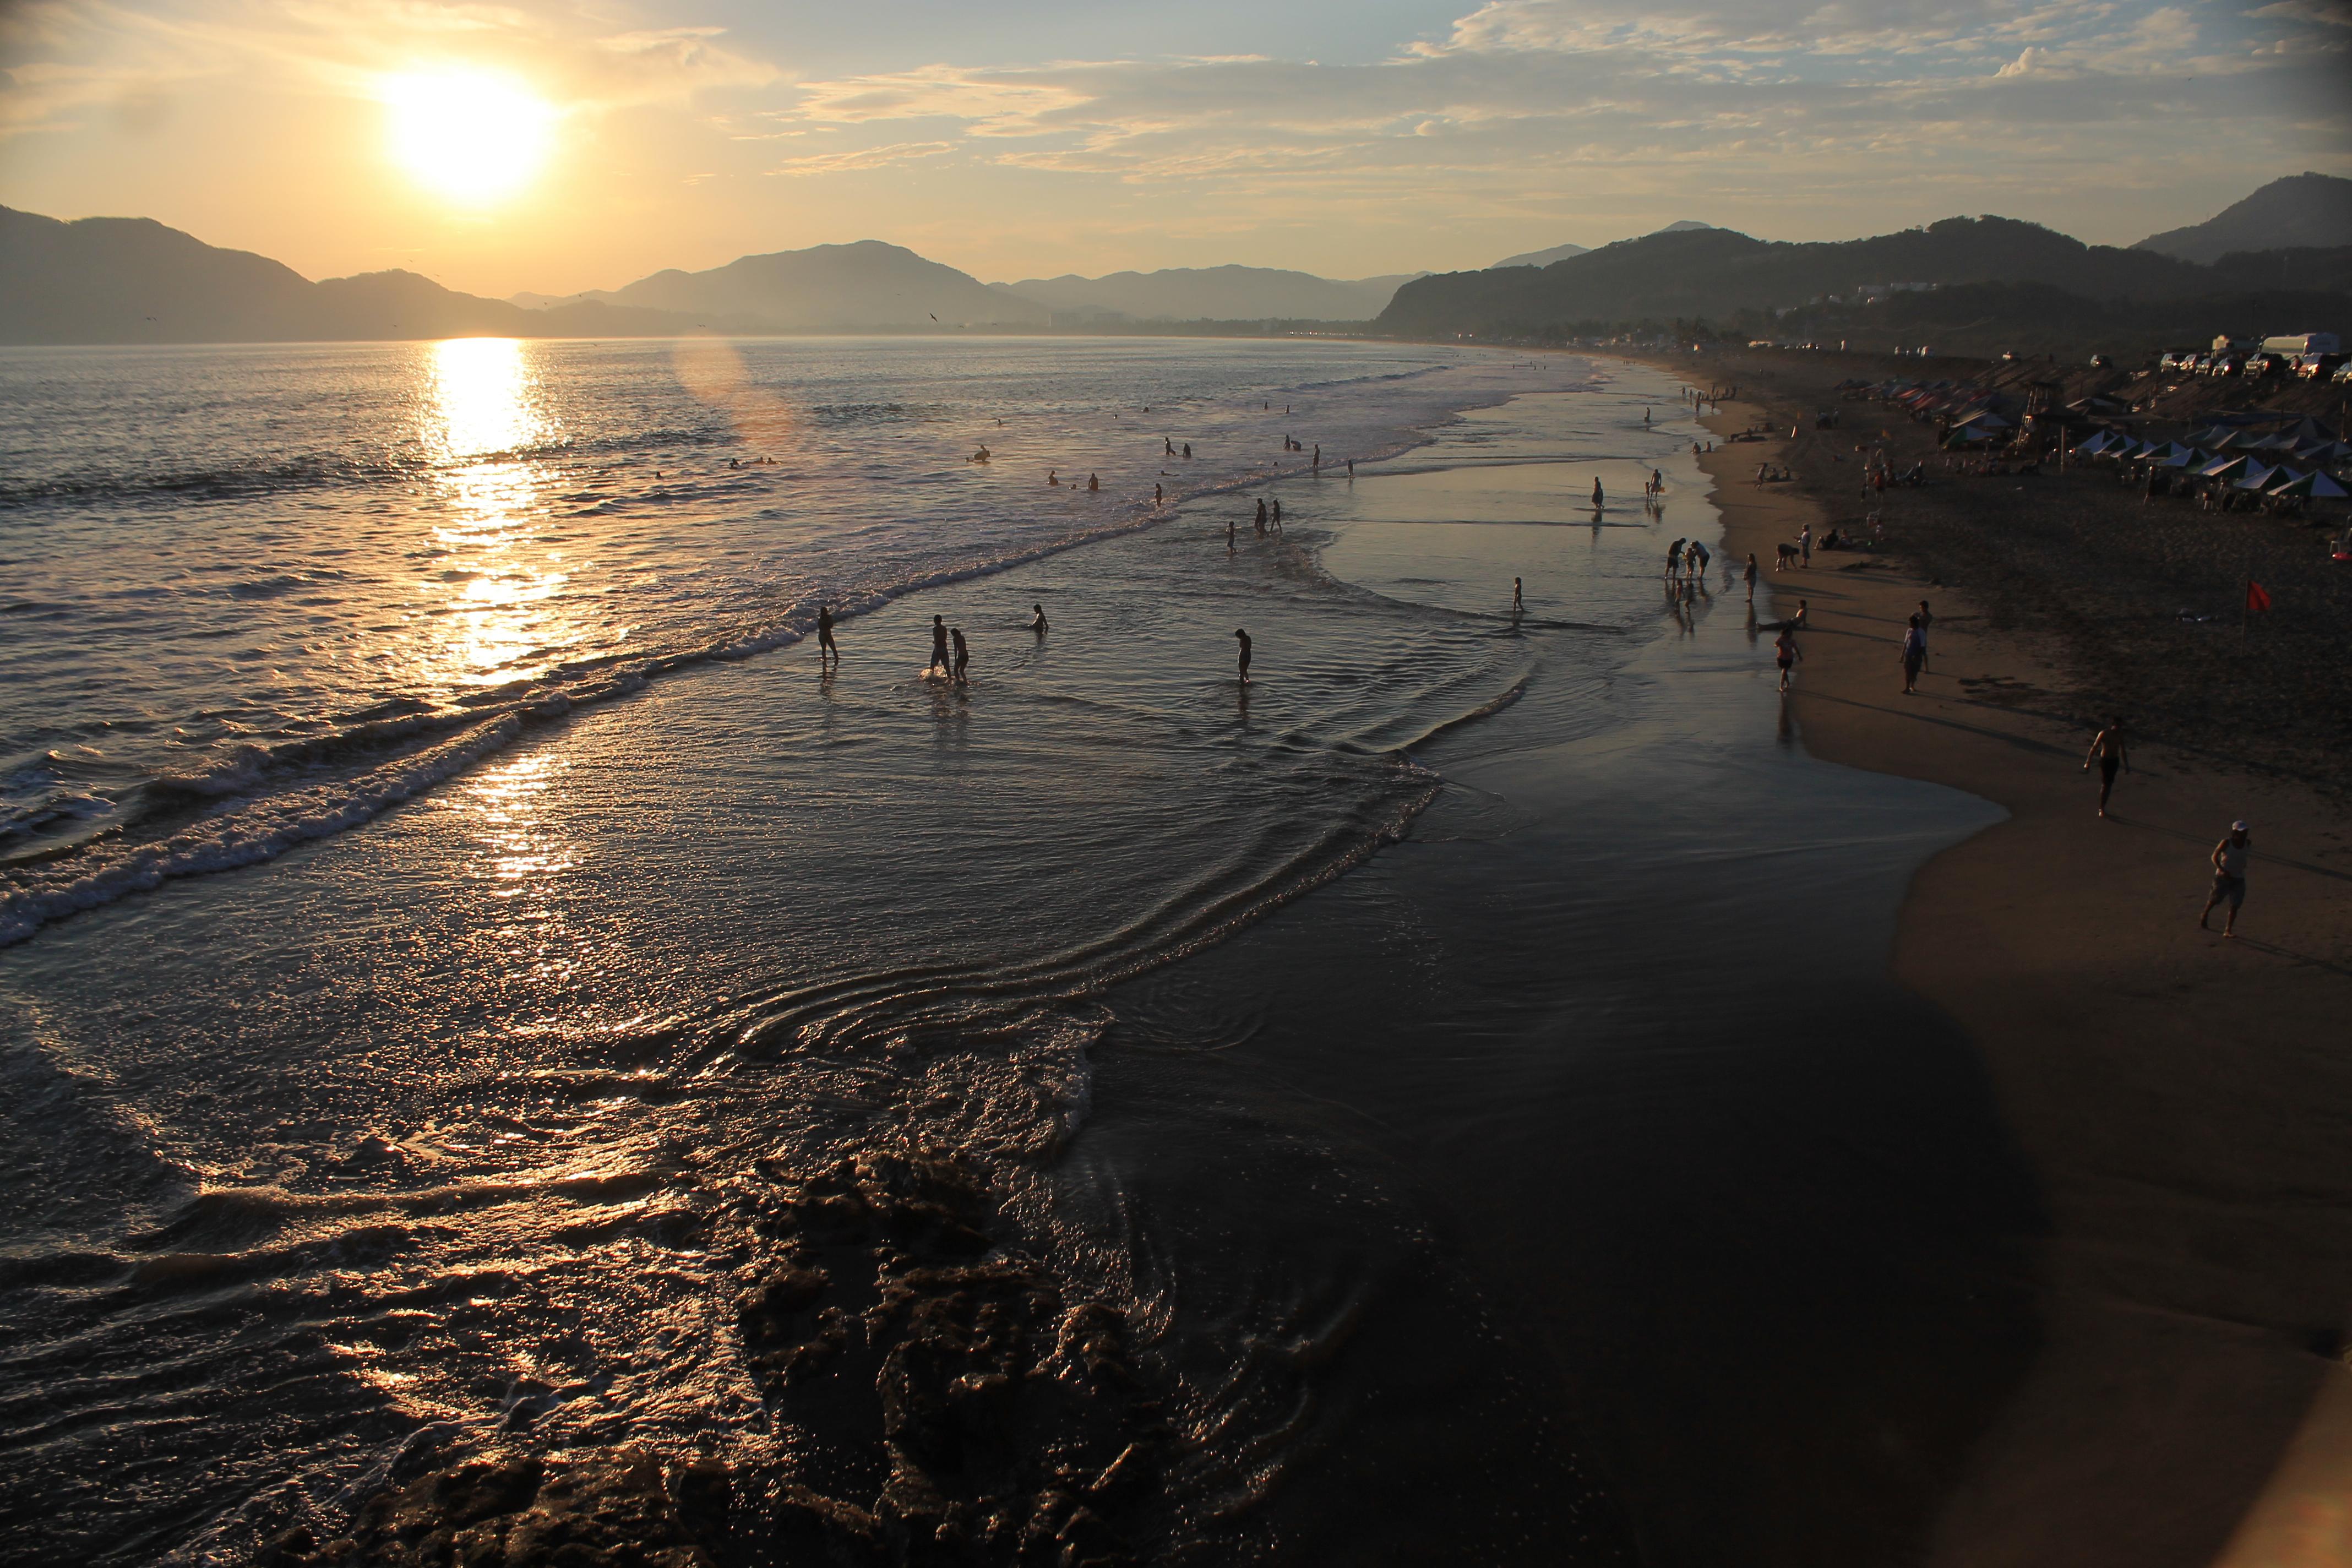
[(549, 149)]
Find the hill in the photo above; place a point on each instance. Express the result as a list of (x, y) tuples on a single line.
[(133, 281), (1207, 293), (1718, 272), (826, 287), (1541, 258), (2301, 210)]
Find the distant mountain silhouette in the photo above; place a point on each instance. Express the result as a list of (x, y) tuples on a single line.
[(868, 284), (2301, 210), (1207, 294), (1716, 272), (126, 280), (1540, 258), (1563, 252)]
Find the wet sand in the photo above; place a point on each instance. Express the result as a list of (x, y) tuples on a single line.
[(2179, 1100)]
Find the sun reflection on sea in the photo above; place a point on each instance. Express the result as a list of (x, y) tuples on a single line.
[(502, 619)]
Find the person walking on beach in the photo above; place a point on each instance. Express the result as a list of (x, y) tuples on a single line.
[(2110, 750), (1244, 637), (1915, 654), (1926, 620), (1797, 621), (962, 653), (825, 634), (1805, 544), (938, 646), (1751, 576), (1786, 651), (2230, 859), (1278, 514)]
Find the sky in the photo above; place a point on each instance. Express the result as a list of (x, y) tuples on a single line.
[(557, 147)]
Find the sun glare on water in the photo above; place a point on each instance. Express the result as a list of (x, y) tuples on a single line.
[(470, 136)]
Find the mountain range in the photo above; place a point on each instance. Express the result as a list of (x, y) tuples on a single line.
[(1727, 278), (107, 281), (2302, 211)]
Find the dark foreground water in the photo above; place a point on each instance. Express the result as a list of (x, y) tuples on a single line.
[(1440, 1101)]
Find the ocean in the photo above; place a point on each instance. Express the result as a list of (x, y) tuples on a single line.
[(478, 983)]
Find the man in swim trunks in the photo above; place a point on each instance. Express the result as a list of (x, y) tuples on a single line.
[(825, 634), (1674, 557), (962, 653), (1785, 649), (1245, 653), (2110, 752), (938, 646), (2230, 857)]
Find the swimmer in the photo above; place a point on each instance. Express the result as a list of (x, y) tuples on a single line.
[(1037, 619), (1244, 637), (1054, 477)]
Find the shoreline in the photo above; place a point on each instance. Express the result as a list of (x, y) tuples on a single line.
[(2189, 1402)]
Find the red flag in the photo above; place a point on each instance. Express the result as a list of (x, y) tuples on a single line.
[(2256, 598)]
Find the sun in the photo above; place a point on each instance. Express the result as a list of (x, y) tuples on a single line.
[(473, 136)]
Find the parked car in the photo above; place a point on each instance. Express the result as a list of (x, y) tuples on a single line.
[(2100, 362), (2261, 364), (2317, 367), (2343, 371), (2224, 364)]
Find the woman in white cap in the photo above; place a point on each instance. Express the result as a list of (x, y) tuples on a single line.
[(2230, 857)]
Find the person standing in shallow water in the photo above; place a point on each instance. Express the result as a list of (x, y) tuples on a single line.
[(1244, 637), (962, 653), (2108, 749), (1037, 619), (938, 646), (825, 634), (1751, 576), (1519, 602), (1261, 515), (1596, 492)]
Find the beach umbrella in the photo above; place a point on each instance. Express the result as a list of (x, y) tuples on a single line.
[(2314, 486)]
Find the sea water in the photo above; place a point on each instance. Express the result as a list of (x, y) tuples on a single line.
[(459, 921)]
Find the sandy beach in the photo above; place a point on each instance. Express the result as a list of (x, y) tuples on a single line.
[(2179, 1097)]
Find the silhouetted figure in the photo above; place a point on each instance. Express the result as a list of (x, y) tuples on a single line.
[(825, 634), (1318, 454), (938, 646), (2110, 750), (1168, 447), (1517, 602), (1156, 498), (1037, 619), (1188, 451), (1054, 477), (1244, 637), (1093, 483), (962, 653), (1596, 493), (1261, 516), (1278, 514)]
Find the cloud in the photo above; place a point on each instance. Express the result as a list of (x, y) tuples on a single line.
[(863, 158), (64, 58)]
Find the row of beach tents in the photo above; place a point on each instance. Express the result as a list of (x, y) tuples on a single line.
[(2245, 469)]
